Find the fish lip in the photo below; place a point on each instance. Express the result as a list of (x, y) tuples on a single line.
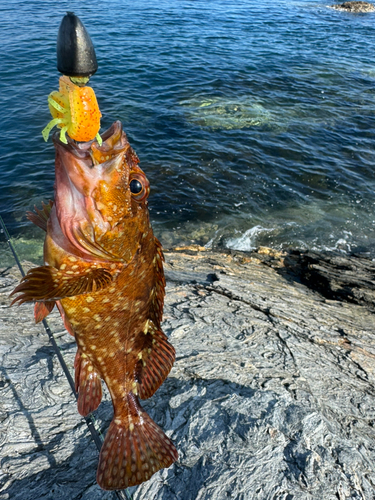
[(115, 128), (82, 150)]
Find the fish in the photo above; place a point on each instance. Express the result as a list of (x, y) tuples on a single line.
[(103, 269)]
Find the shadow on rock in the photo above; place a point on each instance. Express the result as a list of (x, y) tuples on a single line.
[(334, 275)]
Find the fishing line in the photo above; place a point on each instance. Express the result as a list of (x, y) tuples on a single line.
[(90, 419)]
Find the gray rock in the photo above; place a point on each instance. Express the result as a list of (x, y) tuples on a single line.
[(355, 7), (271, 395)]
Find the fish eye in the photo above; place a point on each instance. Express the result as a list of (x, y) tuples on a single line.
[(135, 186), (139, 186)]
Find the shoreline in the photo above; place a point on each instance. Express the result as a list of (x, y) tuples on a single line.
[(272, 391)]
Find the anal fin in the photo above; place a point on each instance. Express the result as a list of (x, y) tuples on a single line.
[(156, 361), (42, 309), (88, 385), (48, 283), (133, 450)]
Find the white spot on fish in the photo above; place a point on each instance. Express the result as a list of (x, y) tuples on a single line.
[(145, 329)]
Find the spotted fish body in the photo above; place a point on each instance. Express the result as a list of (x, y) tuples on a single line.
[(103, 269)]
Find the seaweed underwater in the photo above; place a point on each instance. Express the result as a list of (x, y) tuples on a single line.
[(103, 269)]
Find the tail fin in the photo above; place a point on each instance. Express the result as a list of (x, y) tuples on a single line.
[(133, 450)]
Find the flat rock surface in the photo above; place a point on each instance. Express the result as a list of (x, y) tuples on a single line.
[(271, 395)]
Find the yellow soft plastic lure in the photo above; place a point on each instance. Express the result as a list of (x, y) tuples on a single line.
[(75, 110)]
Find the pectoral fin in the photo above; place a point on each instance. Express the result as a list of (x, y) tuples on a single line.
[(48, 283)]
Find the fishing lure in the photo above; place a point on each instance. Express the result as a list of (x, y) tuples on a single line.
[(74, 107), (75, 110)]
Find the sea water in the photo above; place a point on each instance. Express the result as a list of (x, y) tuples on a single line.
[(253, 120)]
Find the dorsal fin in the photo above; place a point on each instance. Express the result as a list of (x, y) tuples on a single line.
[(155, 361), (40, 217), (48, 283)]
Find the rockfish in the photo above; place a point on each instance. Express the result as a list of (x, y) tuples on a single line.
[(103, 269)]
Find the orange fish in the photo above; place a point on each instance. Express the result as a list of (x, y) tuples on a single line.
[(103, 268)]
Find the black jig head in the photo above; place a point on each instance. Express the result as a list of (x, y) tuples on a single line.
[(75, 51)]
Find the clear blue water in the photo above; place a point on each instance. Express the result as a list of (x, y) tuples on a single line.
[(254, 120)]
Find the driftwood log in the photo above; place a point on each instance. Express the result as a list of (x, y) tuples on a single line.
[(271, 397)]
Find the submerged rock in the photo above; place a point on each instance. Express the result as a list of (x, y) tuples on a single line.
[(271, 395), (226, 114), (355, 7)]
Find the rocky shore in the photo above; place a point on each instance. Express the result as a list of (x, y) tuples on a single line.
[(271, 396), (356, 7)]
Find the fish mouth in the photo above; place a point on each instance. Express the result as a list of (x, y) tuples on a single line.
[(114, 142), (80, 170)]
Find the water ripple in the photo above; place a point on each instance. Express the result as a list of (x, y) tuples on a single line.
[(254, 121)]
